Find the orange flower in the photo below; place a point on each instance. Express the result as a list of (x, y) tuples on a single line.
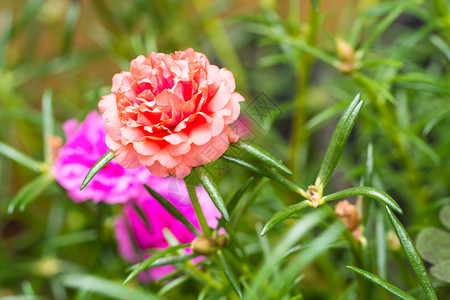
[(170, 113)]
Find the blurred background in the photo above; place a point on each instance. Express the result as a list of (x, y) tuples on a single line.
[(297, 63)]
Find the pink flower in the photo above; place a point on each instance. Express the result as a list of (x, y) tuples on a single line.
[(171, 112), (134, 236), (84, 145)]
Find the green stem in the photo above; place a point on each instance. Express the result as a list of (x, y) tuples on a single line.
[(299, 131), (198, 209)]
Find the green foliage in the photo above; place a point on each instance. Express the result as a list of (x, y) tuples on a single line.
[(57, 59)]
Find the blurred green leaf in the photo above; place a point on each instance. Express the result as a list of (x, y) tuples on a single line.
[(383, 25), (436, 118), (375, 87), (71, 239), (235, 199), (444, 216), (107, 288), (264, 171), (381, 243), (6, 18), (441, 270), (313, 51), (315, 4), (29, 192), (149, 261), (69, 28), (295, 233), (20, 158), (168, 286), (234, 282), (324, 116), (172, 210), (47, 121), (171, 260), (285, 280), (283, 214), (106, 158), (370, 192), (441, 45), (424, 147), (382, 283), (213, 191), (338, 141), (433, 244), (413, 256), (262, 155)]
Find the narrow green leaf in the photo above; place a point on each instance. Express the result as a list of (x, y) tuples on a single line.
[(441, 45), (283, 215), (106, 158), (172, 210), (365, 191), (382, 26), (229, 273), (313, 51), (382, 283), (149, 261), (170, 285), (29, 192), (324, 116), (264, 171), (69, 28), (262, 155), (338, 141), (369, 164), (413, 256), (6, 21), (19, 157), (47, 121), (424, 147), (213, 191), (107, 288), (435, 119), (381, 245)]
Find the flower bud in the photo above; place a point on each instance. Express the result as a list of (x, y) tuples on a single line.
[(54, 143), (346, 54), (221, 240), (204, 245), (349, 216)]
